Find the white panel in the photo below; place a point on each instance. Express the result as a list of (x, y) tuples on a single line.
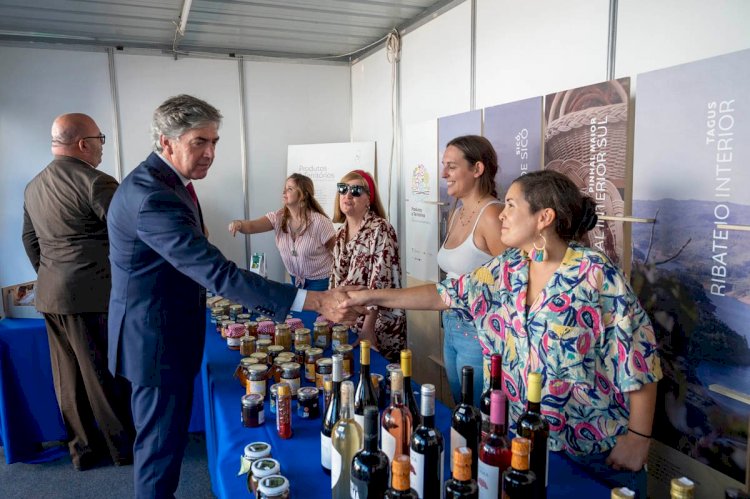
[(371, 120), (288, 104), (653, 35), (144, 82), (436, 67), (35, 87), (525, 49)]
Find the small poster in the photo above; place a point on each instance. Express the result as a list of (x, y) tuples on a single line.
[(515, 131), (421, 187), (586, 138), (325, 164)]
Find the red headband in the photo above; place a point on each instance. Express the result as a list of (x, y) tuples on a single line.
[(370, 183)]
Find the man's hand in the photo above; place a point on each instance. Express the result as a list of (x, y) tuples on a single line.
[(329, 304), (629, 453)]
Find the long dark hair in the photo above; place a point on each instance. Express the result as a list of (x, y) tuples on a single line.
[(476, 148), (575, 213)]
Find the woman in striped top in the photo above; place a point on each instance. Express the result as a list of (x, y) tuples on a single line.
[(304, 234)]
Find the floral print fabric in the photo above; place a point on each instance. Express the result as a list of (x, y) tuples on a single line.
[(585, 333), (371, 259)]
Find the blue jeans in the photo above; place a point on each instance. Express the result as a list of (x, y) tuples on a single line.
[(596, 466), (461, 347), (308, 318)]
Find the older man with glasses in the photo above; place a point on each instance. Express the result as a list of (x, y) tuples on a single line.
[(65, 236)]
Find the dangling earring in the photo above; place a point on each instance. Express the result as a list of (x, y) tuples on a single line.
[(537, 254)]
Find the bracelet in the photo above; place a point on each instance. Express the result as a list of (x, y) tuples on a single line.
[(639, 433)]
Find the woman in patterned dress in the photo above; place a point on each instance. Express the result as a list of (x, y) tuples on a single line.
[(570, 316), (366, 254)]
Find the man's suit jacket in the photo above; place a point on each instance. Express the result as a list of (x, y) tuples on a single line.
[(65, 236), (161, 263)]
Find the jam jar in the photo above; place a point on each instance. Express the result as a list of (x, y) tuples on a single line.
[(323, 370), (302, 337), (262, 468), (252, 410), (308, 400), (262, 344), (266, 330), (234, 333), (274, 487), (301, 351), (259, 357), (219, 320), (283, 337), (234, 310), (247, 345), (322, 334), (256, 379), (311, 357), (290, 372), (347, 352), (253, 452), (340, 336), (225, 327), (252, 329), (273, 351)]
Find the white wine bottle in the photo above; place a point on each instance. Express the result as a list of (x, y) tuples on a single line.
[(346, 441)]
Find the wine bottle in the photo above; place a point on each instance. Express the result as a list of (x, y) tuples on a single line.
[(395, 431), (622, 493), (462, 486), (365, 394), (519, 482), (534, 426), (346, 441), (427, 450), (681, 488), (409, 401), (466, 420), (332, 414), (400, 474), (370, 465), (494, 451), (496, 383)]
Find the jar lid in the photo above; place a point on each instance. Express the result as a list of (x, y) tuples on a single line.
[(258, 355), (226, 323), (247, 362), (243, 316), (264, 341), (266, 327), (252, 324), (217, 310), (256, 450), (273, 485), (282, 326), (252, 400), (257, 368), (247, 339), (275, 348), (315, 351), (294, 323), (307, 393), (236, 330), (303, 348), (274, 388), (301, 331), (265, 467), (289, 367), (235, 306), (325, 361), (344, 348), (340, 328)]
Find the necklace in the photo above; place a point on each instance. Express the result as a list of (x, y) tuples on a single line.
[(465, 221), (295, 233)]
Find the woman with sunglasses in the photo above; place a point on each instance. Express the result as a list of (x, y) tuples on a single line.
[(304, 236), (473, 239), (366, 254), (550, 305)]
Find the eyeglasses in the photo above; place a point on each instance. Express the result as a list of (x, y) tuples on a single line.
[(101, 137), (356, 190)]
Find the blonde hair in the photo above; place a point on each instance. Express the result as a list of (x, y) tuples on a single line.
[(375, 205)]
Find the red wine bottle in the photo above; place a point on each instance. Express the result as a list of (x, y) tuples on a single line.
[(519, 482), (496, 383), (427, 450), (494, 451), (533, 425), (466, 420), (462, 486), (400, 475), (369, 474)]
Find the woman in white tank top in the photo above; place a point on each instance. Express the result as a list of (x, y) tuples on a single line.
[(473, 239)]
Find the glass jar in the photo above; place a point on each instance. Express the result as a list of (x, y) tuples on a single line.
[(302, 337), (259, 357), (216, 312), (340, 336), (266, 330), (234, 310), (322, 334), (234, 333), (253, 452), (273, 352), (311, 357), (224, 305), (256, 379), (274, 487), (272, 392), (323, 370), (308, 399), (301, 351), (252, 329), (219, 320), (347, 352), (252, 410), (243, 318), (290, 373), (225, 327), (283, 336), (262, 344), (262, 468), (247, 345)]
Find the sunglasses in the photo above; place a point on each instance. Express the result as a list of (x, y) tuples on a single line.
[(356, 190)]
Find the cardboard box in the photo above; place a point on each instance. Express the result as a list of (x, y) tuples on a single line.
[(18, 301)]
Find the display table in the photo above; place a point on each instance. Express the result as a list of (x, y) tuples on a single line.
[(300, 456), (29, 413)]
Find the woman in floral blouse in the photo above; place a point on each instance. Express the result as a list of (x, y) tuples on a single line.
[(569, 315), (366, 254)]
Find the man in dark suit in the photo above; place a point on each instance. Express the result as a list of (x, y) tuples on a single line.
[(161, 265), (65, 237)]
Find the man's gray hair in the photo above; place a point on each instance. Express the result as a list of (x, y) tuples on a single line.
[(180, 114)]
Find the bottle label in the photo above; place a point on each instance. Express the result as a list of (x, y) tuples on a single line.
[(457, 440), (388, 444), (325, 451), (488, 479), (360, 419), (335, 467), (417, 472), (258, 387)]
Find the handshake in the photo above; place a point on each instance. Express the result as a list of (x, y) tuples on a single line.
[(344, 304)]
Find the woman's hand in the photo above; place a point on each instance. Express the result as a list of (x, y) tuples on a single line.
[(629, 453), (235, 226)]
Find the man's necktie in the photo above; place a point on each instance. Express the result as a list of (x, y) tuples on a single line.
[(193, 195)]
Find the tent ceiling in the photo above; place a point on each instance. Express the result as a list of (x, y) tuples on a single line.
[(278, 28)]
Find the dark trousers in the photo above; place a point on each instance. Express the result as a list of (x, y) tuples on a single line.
[(92, 402), (162, 417)]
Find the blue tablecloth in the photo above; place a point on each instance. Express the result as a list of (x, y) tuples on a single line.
[(29, 413), (300, 456)]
